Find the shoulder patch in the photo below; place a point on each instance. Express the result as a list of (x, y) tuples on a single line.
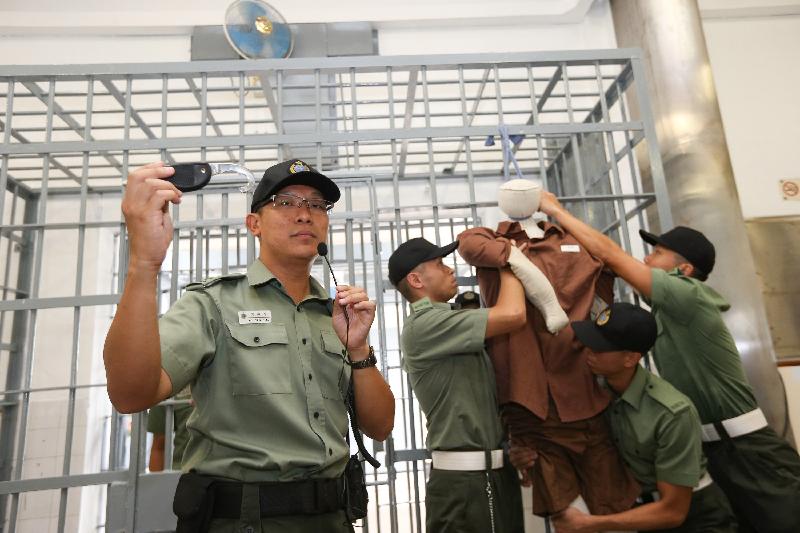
[(666, 395), (210, 282)]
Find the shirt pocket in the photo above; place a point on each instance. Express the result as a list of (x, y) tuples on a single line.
[(259, 359), (640, 442), (333, 371)]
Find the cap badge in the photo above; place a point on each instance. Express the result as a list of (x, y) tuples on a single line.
[(603, 317), (298, 166)]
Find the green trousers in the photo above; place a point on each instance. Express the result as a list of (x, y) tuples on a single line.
[(457, 502), (760, 474), (709, 512)]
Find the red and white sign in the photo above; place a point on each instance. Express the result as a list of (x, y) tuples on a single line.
[(790, 189)]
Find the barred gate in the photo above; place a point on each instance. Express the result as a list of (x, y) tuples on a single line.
[(408, 140)]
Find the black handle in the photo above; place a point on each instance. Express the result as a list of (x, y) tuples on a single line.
[(190, 176)]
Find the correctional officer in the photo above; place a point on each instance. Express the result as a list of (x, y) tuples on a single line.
[(695, 352), (265, 360), (471, 487), (657, 431)]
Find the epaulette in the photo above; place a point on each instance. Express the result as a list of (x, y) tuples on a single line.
[(206, 283), (674, 401)]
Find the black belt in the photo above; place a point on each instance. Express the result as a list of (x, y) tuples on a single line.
[(309, 497)]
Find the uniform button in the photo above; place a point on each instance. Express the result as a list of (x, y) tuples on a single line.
[(305, 340), (249, 529), (330, 451), (316, 414), (310, 377), (256, 339), (344, 352)]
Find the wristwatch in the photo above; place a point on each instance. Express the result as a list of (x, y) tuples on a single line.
[(371, 360)]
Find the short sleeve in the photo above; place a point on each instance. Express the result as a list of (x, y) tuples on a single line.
[(679, 452), (157, 420), (438, 333), (188, 332), (675, 295)]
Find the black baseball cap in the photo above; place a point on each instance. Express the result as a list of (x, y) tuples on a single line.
[(413, 252), (467, 298), (292, 172), (621, 326), (688, 242)]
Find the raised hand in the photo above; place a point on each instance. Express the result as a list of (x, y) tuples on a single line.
[(549, 204), (144, 206)]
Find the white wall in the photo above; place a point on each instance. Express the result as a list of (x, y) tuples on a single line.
[(756, 67), (533, 29), (791, 382), (596, 30), (72, 49)]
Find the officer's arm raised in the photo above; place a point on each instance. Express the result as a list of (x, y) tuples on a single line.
[(508, 313), (636, 273), (132, 352)]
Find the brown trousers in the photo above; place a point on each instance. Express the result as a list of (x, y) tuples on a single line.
[(574, 458)]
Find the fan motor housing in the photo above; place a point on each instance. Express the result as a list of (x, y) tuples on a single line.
[(311, 40)]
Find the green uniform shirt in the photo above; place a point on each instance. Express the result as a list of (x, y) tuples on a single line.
[(657, 431), (694, 350), (268, 378), (157, 425), (452, 376)]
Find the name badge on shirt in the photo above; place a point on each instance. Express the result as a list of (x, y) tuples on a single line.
[(255, 317), (571, 248)]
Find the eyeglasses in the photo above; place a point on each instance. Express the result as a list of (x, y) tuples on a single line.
[(288, 201)]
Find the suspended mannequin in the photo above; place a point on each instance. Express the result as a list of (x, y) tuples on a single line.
[(550, 402), (519, 199)]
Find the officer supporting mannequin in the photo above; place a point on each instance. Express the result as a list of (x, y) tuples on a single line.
[(657, 430), (758, 471), (265, 359), (472, 488)]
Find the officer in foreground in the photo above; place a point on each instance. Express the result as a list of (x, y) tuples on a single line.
[(657, 431), (264, 354)]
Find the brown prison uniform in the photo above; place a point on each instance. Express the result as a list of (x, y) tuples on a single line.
[(550, 400)]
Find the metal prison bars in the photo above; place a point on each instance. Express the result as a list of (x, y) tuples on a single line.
[(408, 140)]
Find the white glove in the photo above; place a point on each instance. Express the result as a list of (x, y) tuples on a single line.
[(538, 290)]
